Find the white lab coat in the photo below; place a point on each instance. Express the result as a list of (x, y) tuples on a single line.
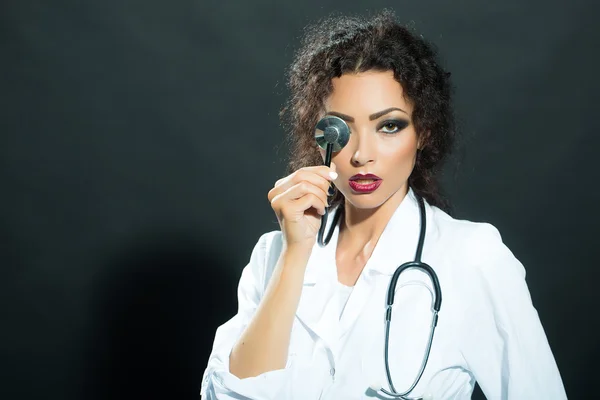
[(488, 329)]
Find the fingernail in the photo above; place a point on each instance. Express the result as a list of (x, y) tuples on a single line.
[(333, 175)]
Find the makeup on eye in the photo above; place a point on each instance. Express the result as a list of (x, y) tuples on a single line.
[(400, 123), (394, 125)]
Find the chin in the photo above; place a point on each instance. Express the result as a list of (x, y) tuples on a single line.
[(365, 201)]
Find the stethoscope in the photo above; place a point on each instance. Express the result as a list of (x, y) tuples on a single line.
[(332, 134)]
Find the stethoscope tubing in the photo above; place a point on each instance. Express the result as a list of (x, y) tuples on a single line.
[(416, 264), (436, 305), (324, 241)]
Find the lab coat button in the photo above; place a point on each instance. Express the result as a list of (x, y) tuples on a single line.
[(332, 371)]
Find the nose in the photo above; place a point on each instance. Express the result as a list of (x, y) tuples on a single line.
[(362, 148)]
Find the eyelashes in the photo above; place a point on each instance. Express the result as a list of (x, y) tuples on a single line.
[(391, 126)]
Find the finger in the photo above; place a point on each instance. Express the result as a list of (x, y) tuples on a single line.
[(301, 189), (326, 172), (333, 167), (309, 201), (310, 174), (321, 170), (283, 200), (334, 175)]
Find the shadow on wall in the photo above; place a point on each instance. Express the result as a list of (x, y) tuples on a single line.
[(153, 318), (154, 315)]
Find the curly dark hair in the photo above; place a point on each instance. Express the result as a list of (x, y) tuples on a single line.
[(342, 44)]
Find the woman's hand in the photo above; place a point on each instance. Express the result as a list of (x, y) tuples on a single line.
[(299, 200)]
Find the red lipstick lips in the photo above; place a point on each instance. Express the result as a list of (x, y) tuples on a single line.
[(367, 183)]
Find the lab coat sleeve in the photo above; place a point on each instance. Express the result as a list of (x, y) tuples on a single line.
[(218, 382), (501, 337)]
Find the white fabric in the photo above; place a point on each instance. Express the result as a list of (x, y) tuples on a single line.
[(488, 329), (343, 294)]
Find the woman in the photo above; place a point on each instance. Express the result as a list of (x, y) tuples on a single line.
[(310, 321)]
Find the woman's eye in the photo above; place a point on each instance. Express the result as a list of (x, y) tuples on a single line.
[(390, 127), (393, 126)]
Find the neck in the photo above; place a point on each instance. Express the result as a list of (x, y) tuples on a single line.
[(362, 228)]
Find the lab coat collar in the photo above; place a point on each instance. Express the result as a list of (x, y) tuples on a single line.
[(399, 240), (322, 259), (397, 244)]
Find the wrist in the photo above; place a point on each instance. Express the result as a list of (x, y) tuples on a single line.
[(299, 248), (298, 253)]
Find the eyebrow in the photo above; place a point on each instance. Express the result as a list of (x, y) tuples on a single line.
[(372, 117)]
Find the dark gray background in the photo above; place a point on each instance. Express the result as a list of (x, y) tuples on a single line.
[(139, 140)]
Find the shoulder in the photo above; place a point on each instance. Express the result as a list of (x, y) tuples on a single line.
[(264, 257), (269, 242), (482, 275), (478, 246)]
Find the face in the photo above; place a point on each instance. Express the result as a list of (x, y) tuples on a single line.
[(373, 168)]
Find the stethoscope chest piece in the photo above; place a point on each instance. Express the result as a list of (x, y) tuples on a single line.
[(332, 130)]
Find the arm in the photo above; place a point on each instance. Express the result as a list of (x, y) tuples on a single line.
[(269, 373), (502, 338), (264, 344), (251, 350), (218, 382)]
